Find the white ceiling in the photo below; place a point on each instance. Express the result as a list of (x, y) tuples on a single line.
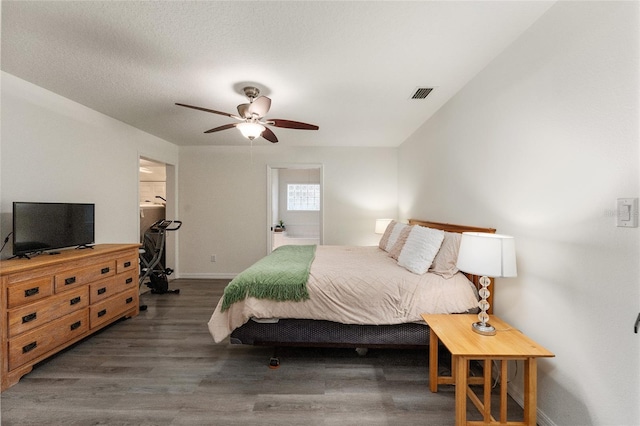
[(348, 67)]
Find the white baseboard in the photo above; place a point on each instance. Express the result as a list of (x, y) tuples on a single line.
[(205, 276), (542, 418)]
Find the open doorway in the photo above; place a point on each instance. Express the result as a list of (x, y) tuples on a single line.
[(157, 198), (152, 193), (294, 211)]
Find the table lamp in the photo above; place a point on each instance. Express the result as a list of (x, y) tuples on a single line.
[(486, 255), (381, 225)]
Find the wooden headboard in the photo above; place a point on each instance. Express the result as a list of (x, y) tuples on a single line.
[(449, 227)]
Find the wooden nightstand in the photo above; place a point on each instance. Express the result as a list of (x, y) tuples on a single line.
[(455, 332)]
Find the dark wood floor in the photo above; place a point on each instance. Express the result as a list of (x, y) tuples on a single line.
[(163, 368)]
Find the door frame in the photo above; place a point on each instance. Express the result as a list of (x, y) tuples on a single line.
[(297, 166), (171, 209)]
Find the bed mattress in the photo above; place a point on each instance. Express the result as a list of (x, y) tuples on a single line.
[(357, 286)]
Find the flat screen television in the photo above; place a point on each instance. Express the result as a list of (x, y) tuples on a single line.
[(40, 227)]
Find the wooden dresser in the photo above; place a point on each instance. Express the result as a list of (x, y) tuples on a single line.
[(50, 302)]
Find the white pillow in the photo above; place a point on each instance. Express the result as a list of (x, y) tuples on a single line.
[(420, 249)]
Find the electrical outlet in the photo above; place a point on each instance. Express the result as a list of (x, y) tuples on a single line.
[(213, 258)]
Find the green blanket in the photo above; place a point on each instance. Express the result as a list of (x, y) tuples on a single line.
[(282, 275)]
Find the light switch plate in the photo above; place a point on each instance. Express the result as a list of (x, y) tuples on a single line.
[(627, 212)]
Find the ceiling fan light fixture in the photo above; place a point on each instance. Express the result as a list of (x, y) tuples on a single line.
[(251, 130)]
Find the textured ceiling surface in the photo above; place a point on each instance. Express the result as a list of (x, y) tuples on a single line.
[(348, 67)]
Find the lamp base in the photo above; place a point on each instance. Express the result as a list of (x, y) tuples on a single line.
[(485, 329)]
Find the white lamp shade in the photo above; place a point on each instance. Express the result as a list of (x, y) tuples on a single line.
[(381, 225), (484, 254), (250, 130)]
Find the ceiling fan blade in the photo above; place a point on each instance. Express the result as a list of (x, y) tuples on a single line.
[(206, 110), (269, 135), (225, 127), (260, 106), (288, 124)]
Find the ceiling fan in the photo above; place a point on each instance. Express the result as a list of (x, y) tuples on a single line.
[(251, 121)]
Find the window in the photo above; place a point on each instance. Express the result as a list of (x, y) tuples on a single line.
[(303, 197)]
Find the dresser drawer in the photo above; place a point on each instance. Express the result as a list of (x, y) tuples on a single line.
[(41, 340), (107, 288), (128, 263), (67, 280), (29, 291), (102, 289), (34, 315), (112, 307), (127, 281)]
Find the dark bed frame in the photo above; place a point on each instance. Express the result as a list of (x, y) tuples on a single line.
[(315, 333)]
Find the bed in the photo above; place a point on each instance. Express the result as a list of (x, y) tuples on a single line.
[(361, 297)]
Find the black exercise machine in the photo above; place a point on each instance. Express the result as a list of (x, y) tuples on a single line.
[(151, 257)]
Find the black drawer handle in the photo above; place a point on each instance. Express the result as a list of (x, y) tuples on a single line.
[(129, 280), (102, 312), (28, 348), (129, 300), (75, 325), (102, 290), (127, 264), (74, 300), (68, 281), (105, 270), (30, 317), (31, 291)]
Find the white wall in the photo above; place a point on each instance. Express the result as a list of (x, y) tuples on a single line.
[(223, 200), (539, 145), (54, 149)]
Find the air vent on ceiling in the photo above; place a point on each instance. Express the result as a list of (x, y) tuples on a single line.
[(421, 92)]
